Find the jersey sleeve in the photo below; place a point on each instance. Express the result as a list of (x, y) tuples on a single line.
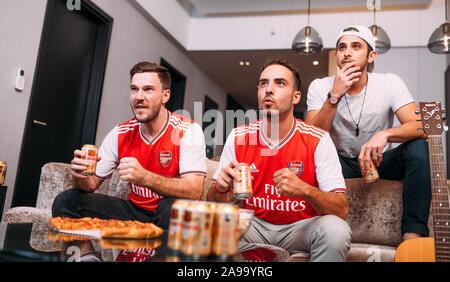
[(228, 154), (109, 153), (328, 168), (192, 152)]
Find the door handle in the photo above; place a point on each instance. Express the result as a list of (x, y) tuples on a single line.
[(39, 122)]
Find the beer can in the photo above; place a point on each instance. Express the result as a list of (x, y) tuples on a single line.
[(197, 230), (91, 152), (372, 174), (225, 231), (175, 234), (3, 166), (242, 190)]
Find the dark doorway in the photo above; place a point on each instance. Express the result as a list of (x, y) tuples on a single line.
[(210, 119), (233, 105), (176, 89), (66, 91)]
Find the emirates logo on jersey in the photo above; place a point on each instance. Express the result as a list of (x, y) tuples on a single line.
[(165, 157), (296, 167)]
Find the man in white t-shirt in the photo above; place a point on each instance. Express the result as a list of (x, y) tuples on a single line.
[(358, 108), (160, 154)]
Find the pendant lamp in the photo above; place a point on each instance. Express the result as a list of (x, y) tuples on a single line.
[(439, 39), (307, 41), (382, 41)]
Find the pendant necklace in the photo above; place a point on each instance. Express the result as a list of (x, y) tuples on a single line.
[(362, 106)]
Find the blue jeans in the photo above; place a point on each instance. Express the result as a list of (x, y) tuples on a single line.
[(408, 162)]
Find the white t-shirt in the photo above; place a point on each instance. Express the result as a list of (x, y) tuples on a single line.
[(386, 93)]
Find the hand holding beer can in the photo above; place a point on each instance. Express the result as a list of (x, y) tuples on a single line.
[(242, 190), (372, 174), (2, 172), (90, 154)]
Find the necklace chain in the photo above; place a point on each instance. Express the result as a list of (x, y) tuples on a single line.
[(362, 106)]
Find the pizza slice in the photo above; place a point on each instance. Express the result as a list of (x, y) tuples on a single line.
[(112, 228)]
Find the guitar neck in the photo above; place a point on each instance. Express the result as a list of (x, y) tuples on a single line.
[(440, 200)]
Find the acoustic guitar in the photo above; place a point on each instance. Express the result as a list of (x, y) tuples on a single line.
[(427, 249)]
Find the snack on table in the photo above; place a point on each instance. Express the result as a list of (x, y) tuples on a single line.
[(112, 228)]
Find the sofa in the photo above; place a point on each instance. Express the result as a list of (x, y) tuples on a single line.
[(375, 211)]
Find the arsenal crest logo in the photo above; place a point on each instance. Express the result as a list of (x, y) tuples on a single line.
[(296, 167), (165, 157)]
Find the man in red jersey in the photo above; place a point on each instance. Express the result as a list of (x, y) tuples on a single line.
[(298, 195), (160, 154)]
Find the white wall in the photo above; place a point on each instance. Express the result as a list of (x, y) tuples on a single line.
[(422, 71), (405, 28), (20, 33), (134, 38)]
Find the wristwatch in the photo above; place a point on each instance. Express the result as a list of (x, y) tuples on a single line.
[(333, 99)]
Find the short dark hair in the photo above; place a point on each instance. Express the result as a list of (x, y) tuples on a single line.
[(287, 64), (163, 73)]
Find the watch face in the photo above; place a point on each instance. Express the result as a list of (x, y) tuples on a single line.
[(334, 100)]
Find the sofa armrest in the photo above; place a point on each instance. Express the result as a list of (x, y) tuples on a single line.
[(55, 178), (26, 214)]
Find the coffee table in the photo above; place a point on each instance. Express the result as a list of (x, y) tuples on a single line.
[(36, 242)]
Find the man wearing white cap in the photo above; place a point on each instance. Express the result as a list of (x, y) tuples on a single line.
[(358, 107)]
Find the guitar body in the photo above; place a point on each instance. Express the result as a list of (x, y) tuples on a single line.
[(416, 250), (437, 248)]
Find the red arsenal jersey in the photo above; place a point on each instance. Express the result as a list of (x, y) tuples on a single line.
[(307, 150), (177, 150)]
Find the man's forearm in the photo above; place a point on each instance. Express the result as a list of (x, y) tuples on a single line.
[(173, 187), (405, 132), (327, 202), (213, 196), (324, 117), (88, 184)]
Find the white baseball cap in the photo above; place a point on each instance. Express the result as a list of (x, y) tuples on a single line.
[(361, 31)]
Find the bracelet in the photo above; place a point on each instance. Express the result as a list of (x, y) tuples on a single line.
[(215, 188)]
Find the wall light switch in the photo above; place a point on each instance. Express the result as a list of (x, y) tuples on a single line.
[(20, 79)]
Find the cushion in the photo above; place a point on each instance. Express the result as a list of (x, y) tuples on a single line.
[(371, 253), (375, 211)]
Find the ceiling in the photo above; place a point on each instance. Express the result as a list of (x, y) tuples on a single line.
[(215, 8), (241, 81)]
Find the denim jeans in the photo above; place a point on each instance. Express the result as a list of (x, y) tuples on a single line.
[(408, 162)]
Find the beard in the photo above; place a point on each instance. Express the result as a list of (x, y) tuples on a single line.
[(267, 113), (151, 113), (277, 109)]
